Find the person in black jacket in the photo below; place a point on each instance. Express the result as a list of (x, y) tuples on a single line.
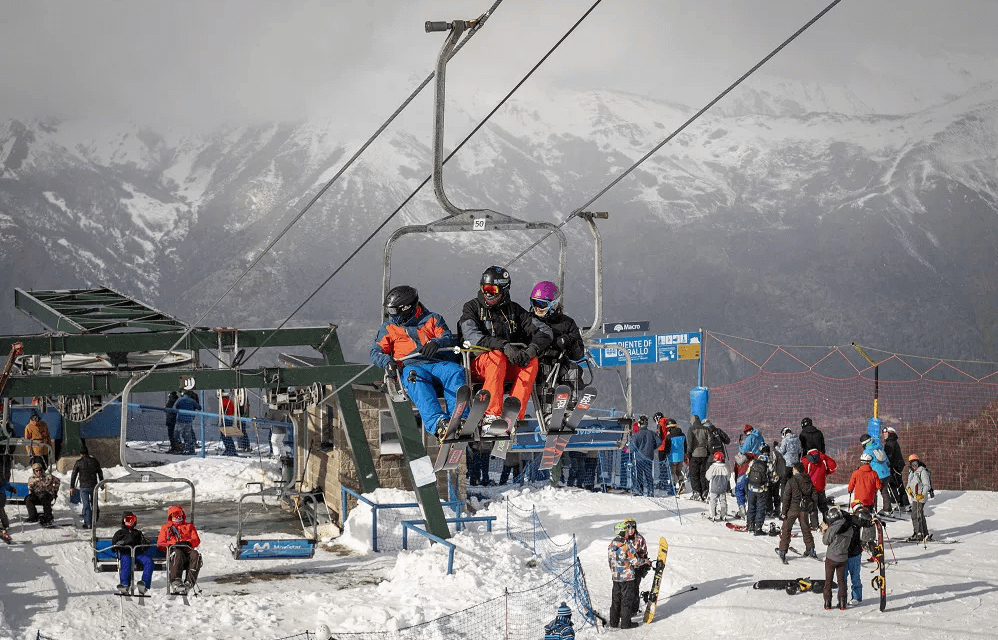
[(128, 542), (896, 461), (557, 363), (512, 339), (88, 471), (799, 500), (171, 423), (811, 437), (699, 458)]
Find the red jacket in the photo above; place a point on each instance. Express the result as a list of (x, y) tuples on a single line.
[(171, 533), (818, 470), (864, 485)]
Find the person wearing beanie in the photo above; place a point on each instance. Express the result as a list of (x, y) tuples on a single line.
[(88, 471), (561, 627), (752, 441), (40, 446)]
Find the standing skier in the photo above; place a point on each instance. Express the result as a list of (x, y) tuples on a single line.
[(624, 563), (757, 494), (811, 437), (413, 330), (878, 462), (678, 451), (699, 458), (752, 440), (493, 321), (819, 467), (719, 483), (864, 483), (919, 488), (789, 446), (837, 536), (799, 499), (896, 461)]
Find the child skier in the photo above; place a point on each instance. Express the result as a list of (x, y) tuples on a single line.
[(718, 481)]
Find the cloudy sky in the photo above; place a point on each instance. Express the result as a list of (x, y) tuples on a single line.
[(206, 62)]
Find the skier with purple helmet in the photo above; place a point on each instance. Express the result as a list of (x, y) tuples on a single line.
[(567, 346)]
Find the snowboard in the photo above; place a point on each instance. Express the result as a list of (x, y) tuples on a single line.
[(663, 554), (504, 430), (792, 587), (880, 579), (452, 451), (556, 441)]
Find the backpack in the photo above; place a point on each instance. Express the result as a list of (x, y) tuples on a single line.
[(758, 473), (714, 441)]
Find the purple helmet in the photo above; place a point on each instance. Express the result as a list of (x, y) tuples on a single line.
[(545, 298)]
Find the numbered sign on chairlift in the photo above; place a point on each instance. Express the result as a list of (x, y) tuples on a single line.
[(479, 224)]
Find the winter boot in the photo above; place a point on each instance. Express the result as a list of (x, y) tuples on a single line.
[(141, 586), (828, 605), (122, 588), (441, 430), (810, 553), (842, 604), (177, 587), (783, 555)]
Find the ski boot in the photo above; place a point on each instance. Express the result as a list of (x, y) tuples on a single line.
[(758, 531), (810, 553), (782, 554), (842, 604), (177, 588), (141, 586), (441, 430), (122, 589), (828, 605)]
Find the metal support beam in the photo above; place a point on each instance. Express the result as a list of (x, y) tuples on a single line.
[(420, 468)]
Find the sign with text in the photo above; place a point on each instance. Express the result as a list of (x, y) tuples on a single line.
[(647, 349), (624, 327)]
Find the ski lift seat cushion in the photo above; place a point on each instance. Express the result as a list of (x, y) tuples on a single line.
[(22, 493)]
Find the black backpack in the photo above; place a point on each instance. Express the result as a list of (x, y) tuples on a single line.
[(714, 441), (758, 473)]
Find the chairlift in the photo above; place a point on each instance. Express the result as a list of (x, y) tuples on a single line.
[(272, 548)]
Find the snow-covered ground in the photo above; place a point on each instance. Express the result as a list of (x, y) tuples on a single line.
[(48, 584)]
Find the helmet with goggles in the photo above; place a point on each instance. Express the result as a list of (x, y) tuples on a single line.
[(495, 285), (545, 298), (401, 303)]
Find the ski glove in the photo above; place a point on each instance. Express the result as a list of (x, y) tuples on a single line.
[(512, 352), (532, 352), (430, 349), (919, 497)]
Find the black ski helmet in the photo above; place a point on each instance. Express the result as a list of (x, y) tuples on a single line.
[(806, 422), (658, 416), (400, 303), (497, 280), (834, 515), (643, 420)]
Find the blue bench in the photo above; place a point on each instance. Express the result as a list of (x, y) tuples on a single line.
[(22, 493), (106, 559)]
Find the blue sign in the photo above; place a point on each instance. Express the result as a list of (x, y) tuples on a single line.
[(624, 327), (647, 349)]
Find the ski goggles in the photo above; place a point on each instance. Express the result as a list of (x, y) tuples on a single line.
[(490, 289), (130, 521), (177, 518), (544, 305), (398, 311)]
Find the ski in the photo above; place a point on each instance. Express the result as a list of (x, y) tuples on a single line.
[(452, 452), (131, 595), (880, 580), (663, 554), (923, 541), (510, 416), (556, 441), (463, 397), (559, 409)]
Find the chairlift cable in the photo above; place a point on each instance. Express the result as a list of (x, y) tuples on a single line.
[(471, 32), (430, 177), (672, 135)]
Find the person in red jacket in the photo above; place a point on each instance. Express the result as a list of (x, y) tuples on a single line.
[(819, 467), (179, 540), (864, 484)]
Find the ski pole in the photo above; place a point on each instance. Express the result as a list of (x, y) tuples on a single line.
[(891, 545)]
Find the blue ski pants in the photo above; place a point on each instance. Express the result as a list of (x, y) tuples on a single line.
[(855, 579), (125, 567), (422, 389)]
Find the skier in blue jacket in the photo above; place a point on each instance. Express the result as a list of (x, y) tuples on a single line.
[(879, 464), (753, 441)]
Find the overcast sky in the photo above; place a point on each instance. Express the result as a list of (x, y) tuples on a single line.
[(210, 61)]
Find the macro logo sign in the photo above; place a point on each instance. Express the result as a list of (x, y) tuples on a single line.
[(624, 327)]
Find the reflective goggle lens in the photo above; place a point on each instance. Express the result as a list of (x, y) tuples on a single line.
[(394, 311), (490, 289), (130, 520)]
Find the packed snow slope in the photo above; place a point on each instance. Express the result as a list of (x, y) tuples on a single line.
[(48, 584)]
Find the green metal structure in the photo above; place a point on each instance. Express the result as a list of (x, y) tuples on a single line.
[(103, 321)]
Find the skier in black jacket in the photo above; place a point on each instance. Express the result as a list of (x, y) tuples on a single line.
[(88, 471), (558, 361), (493, 321), (128, 542), (811, 437), (896, 461)]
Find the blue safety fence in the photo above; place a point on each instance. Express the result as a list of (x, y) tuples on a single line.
[(387, 519), (195, 432)]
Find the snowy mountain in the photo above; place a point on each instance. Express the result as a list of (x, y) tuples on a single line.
[(789, 214)]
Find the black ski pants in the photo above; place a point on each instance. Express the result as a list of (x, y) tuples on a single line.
[(33, 500), (624, 604), (698, 475)]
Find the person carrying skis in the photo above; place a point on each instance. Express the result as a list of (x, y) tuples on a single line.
[(810, 436), (878, 462), (719, 482), (752, 441), (89, 472), (43, 488), (512, 339), (789, 446), (895, 460), (179, 540), (413, 330), (919, 489), (561, 627), (624, 564), (128, 542), (799, 500), (864, 483), (819, 467), (837, 533)]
